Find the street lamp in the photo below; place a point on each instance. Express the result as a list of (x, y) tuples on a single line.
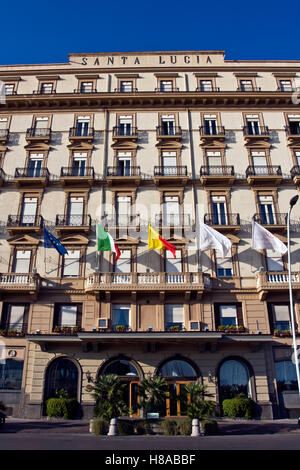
[(293, 201)]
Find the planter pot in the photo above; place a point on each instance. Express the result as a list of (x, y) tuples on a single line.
[(195, 428), (113, 427)]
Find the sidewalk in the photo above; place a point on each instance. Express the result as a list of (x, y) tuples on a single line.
[(226, 426)]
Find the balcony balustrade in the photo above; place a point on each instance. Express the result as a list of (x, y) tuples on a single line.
[(271, 220), (24, 223), (264, 174), (36, 134), (29, 176), (122, 175), (217, 174), (295, 174), (270, 282), (85, 134), (125, 133), (77, 175), (169, 132), (73, 223), (227, 222), (19, 282), (176, 175)]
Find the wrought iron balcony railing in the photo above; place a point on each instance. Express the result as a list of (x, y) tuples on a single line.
[(293, 130), (85, 90), (248, 89), (122, 220), (25, 221), (128, 90), (170, 170), (68, 171), (173, 220), (295, 171), (272, 218), (123, 171), (172, 131), (13, 329), (168, 89), (213, 130), (32, 173), (125, 131), (208, 89), (256, 131), (262, 170), (36, 132), (73, 220), (216, 170), (81, 132), (227, 219)]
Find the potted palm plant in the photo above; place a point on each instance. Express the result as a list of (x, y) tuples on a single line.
[(198, 407), (152, 392)]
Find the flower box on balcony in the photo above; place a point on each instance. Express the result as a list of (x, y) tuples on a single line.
[(121, 328), (283, 333), (174, 328), (66, 330), (15, 333)]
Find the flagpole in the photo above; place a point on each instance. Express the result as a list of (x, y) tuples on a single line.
[(293, 201)]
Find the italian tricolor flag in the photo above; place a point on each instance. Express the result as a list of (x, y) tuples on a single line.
[(156, 242), (105, 242)]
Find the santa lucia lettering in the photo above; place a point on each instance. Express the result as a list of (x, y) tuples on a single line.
[(139, 60)]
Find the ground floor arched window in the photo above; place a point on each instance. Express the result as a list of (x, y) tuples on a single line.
[(129, 376), (286, 375), (177, 373), (234, 379), (61, 376)]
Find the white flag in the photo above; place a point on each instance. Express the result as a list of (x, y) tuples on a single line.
[(262, 239), (211, 239)]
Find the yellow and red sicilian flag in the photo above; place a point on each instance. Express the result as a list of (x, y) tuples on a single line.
[(156, 242)]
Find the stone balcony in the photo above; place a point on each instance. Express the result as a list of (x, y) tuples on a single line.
[(271, 282)]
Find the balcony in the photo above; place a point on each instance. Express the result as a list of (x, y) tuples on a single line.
[(148, 282), (210, 134), (27, 283), (122, 221), (167, 133), (126, 90), (293, 133), (35, 134), (121, 134), (272, 221), (229, 223), (77, 176), (256, 134), (13, 330), (31, 176), (81, 134), (165, 175), (4, 136), (165, 221), (211, 89), (295, 174), (17, 224), (73, 223), (246, 89), (264, 175), (167, 89), (124, 176), (85, 90), (215, 175), (269, 283)]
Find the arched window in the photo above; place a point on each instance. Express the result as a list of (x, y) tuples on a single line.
[(177, 373), (234, 379), (286, 375), (128, 375), (62, 374)]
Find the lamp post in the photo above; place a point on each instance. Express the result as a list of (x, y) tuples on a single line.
[(293, 201)]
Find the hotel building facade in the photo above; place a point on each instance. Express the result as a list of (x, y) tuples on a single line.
[(124, 140)]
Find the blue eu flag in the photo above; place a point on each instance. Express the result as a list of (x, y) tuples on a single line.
[(51, 242)]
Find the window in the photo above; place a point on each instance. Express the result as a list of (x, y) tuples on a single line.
[(29, 211), (224, 266), (266, 209), (22, 261), (75, 214), (15, 317), (169, 163), (214, 159), (274, 261), (171, 211), (210, 124), (219, 210), (3, 126), (246, 85), (71, 263), (281, 317), (228, 315), (82, 126), (166, 85), (285, 85), (286, 375), (123, 210), (252, 124), (68, 315), (86, 87), (125, 125), (121, 315), (259, 162), (9, 89), (174, 316), (173, 265), (35, 164), (11, 373), (206, 85), (62, 374), (126, 86), (79, 164), (123, 264), (294, 124), (168, 125), (41, 126), (234, 379), (124, 163), (297, 156), (46, 88)]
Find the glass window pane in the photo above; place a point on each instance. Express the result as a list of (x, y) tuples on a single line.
[(177, 368), (234, 379), (11, 375)]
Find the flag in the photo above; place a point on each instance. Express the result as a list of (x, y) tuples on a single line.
[(262, 239), (105, 242), (51, 242), (211, 239), (156, 242)]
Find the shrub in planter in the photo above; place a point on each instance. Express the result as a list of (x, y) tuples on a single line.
[(99, 427), (170, 427), (239, 407), (209, 427), (125, 428), (66, 408), (143, 427), (185, 427)]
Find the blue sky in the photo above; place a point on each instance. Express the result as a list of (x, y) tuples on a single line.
[(46, 31)]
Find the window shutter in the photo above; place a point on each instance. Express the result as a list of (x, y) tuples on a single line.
[(16, 317), (174, 313), (71, 263), (22, 261), (68, 315)]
